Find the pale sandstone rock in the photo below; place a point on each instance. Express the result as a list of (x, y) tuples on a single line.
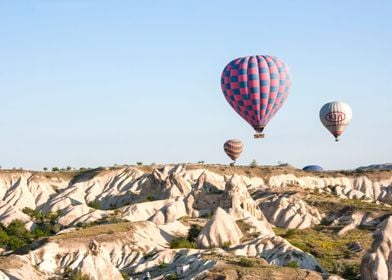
[(377, 263), (8, 213), (289, 211), (72, 215), (350, 220), (180, 192), (258, 226), (220, 230), (276, 250), (169, 213)]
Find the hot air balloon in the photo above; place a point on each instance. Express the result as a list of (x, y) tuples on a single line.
[(256, 87), (336, 116), (233, 148), (313, 168)]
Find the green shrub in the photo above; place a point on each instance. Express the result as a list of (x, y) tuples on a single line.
[(351, 272), (170, 277), (246, 262), (74, 275), (139, 163), (149, 255), (150, 197), (125, 276), (14, 236), (40, 217), (46, 224), (163, 264), (226, 244), (292, 264), (4, 239), (55, 169), (193, 232), (80, 225), (182, 243), (207, 215), (17, 228), (94, 204), (35, 215), (290, 233), (41, 231), (253, 164), (15, 243)]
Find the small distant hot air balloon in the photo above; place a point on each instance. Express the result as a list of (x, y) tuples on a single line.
[(336, 116), (256, 87), (313, 168), (233, 148)]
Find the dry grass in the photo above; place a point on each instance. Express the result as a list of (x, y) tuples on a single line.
[(254, 268), (65, 175), (267, 171), (94, 231), (145, 168), (327, 203), (264, 172), (327, 247), (373, 175), (259, 171), (11, 262), (245, 229)]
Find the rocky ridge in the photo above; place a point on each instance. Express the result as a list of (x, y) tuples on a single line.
[(150, 205)]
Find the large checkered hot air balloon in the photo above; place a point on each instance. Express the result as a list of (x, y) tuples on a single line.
[(336, 116), (256, 87)]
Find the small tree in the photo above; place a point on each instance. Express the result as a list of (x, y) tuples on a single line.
[(246, 262), (139, 163), (163, 264), (226, 245), (45, 169), (94, 204), (55, 169), (181, 242), (193, 232), (69, 168), (150, 197), (253, 164), (292, 264)]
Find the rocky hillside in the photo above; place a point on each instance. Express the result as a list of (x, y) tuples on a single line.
[(195, 222)]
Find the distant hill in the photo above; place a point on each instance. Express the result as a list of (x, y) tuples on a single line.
[(385, 166)]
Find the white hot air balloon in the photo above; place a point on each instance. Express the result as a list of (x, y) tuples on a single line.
[(336, 116)]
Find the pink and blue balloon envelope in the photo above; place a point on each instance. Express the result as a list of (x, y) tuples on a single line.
[(256, 87)]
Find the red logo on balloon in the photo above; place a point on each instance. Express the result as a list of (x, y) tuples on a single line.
[(335, 116)]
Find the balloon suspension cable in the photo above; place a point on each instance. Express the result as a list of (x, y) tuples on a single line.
[(259, 135)]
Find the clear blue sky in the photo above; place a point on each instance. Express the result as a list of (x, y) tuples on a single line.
[(96, 83)]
